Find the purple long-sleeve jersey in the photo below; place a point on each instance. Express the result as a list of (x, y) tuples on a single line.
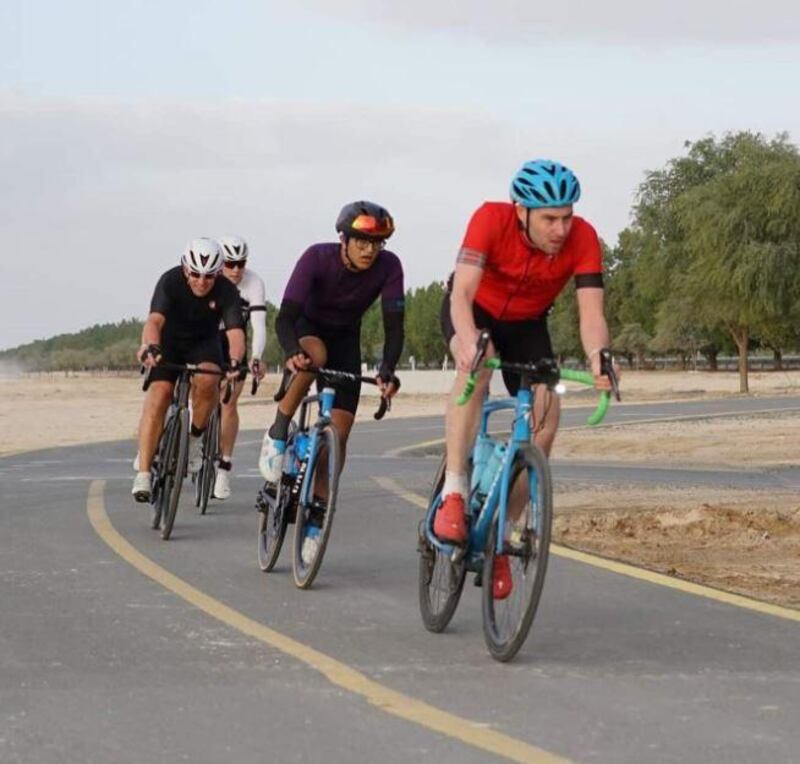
[(331, 295)]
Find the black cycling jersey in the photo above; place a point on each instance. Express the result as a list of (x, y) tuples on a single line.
[(192, 318)]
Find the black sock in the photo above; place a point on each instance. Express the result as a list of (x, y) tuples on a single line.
[(224, 464), (280, 427)]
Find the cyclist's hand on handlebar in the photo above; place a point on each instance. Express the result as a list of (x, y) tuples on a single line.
[(149, 355), (257, 369), (463, 348), (298, 362), (602, 379), (236, 371), (388, 384)]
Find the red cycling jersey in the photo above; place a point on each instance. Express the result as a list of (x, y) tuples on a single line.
[(520, 282)]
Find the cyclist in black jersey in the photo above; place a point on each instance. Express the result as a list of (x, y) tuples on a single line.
[(188, 304)]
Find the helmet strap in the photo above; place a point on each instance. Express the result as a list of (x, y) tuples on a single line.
[(349, 264), (527, 227)]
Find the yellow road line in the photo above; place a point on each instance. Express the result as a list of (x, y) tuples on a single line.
[(338, 673), (631, 571)]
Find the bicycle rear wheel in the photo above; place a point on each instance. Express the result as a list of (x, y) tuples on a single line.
[(204, 481), (317, 515), (161, 476), (177, 466), (526, 541), (273, 503), (441, 580)]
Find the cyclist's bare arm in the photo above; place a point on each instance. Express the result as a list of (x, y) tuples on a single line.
[(466, 280), (151, 339), (594, 331), (236, 343)]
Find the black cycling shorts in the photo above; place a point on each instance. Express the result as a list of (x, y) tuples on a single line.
[(181, 351), (343, 346), (515, 341)]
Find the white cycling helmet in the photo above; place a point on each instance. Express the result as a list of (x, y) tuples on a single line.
[(203, 256), (234, 249)]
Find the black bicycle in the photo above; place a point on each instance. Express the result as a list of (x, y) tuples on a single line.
[(171, 462), (205, 477), (312, 458)]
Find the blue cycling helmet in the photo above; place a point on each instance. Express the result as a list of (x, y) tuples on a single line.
[(543, 183)]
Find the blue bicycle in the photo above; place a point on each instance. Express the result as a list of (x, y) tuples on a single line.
[(509, 510), (306, 492)]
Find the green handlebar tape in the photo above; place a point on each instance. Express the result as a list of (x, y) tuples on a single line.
[(583, 377), (469, 388), (586, 378), (600, 411)]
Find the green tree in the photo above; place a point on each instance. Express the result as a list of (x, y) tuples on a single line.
[(632, 342), (742, 236), (424, 339)]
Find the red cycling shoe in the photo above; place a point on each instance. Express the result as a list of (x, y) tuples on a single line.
[(501, 580), (450, 523)]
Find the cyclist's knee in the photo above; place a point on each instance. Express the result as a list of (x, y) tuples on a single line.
[(159, 396), (315, 349)]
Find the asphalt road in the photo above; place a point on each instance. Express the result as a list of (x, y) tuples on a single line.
[(206, 659)]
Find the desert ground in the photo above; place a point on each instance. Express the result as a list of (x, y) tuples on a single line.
[(742, 541)]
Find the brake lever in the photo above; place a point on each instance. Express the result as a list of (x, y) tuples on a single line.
[(480, 350), (607, 369)]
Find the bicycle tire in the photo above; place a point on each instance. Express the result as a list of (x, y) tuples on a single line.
[(274, 516), (506, 628), (208, 469), (437, 573), (305, 572), (273, 521), (178, 467), (160, 476)]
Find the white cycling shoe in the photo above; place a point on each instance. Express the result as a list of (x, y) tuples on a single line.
[(310, 546), (142, 487), (222, 484), (270, 461)]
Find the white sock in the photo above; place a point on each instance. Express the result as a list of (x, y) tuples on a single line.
[(455, 482)]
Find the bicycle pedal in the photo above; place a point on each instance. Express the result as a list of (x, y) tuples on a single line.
[(458, 554)]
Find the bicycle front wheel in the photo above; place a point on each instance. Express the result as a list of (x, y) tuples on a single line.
[(513, 579), (161, 476), (204, 486), (314, 520), (177, 466), (441, 580)]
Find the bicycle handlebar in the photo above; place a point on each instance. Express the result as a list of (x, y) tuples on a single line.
[(192, 368), (544, 372), (384, 406)]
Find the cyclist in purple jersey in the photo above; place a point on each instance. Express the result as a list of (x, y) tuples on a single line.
[(319, 321)]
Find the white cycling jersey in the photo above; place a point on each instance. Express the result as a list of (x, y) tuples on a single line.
[(252, 294)]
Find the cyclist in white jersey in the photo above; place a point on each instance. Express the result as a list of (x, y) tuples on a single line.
[(251, 292)]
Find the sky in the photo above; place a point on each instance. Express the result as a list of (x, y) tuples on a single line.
[(128, 128)]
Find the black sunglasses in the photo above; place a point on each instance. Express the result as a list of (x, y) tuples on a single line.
[(235, 263), (203, 276)]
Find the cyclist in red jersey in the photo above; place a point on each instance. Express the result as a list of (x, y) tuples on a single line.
[(515, 259)]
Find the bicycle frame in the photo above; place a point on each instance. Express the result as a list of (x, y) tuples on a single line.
[(307, 437), (497, 498)]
